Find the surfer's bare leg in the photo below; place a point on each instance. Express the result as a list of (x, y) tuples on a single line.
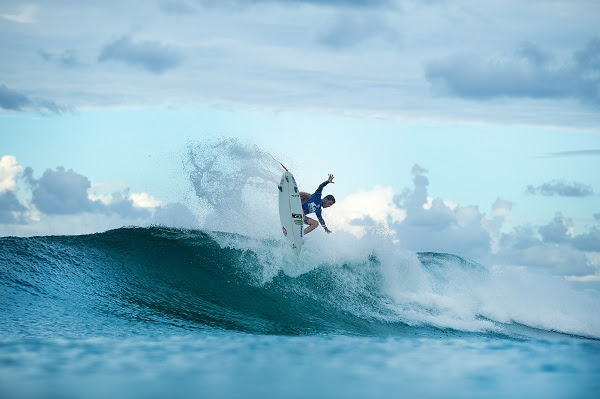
[(312, 224)]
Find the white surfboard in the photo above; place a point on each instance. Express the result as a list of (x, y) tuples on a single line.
[(290, 211)]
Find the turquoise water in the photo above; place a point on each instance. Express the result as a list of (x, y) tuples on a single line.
[(162, 312)]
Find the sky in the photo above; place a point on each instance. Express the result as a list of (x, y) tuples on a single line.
[(452, 126)]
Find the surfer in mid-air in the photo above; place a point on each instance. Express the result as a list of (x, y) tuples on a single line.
[(313, 204)]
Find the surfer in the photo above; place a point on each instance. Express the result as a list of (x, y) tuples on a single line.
[(313, 203)]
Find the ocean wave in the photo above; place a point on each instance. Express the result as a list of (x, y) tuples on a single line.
[(158, 277)]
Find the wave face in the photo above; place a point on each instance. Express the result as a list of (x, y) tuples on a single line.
[(152, 279)]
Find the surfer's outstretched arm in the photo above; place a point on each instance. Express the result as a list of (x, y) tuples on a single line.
[(326, 182)]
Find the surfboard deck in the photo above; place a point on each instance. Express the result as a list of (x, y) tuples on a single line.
[(290, 211)]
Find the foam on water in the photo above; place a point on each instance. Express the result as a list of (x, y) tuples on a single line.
[(431, 289)]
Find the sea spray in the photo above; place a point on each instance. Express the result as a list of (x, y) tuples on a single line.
[(235, 183)]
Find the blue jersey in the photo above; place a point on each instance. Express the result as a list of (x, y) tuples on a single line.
[(313, 204)]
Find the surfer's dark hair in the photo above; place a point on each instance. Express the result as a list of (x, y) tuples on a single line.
[(330, 198)]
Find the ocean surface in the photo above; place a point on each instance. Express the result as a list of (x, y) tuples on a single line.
[(160, 312)]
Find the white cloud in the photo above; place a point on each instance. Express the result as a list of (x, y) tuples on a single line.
[(25, 15), (449, 204), (500, 212), (14, 100), (152, 56), (103, 198), (9, 170), (417, 221), (261, 53), (143, 200), (13, 210), (559, 229), (594, 260), (106, 194), (66, 192), (60, 191), (501, 208), (65, 202), (358, 211), (529, 72), (561, 188), (424, 223)]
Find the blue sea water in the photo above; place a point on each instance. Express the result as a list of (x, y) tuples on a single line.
[(162, 312)]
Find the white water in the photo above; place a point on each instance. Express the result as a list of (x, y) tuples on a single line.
[(236, 182)]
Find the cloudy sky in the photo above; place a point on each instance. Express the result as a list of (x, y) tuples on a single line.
[(458, 126)]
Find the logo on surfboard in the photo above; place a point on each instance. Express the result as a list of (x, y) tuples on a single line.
[(284, 231)]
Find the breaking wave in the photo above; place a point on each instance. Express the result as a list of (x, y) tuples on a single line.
[(157, 278)]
